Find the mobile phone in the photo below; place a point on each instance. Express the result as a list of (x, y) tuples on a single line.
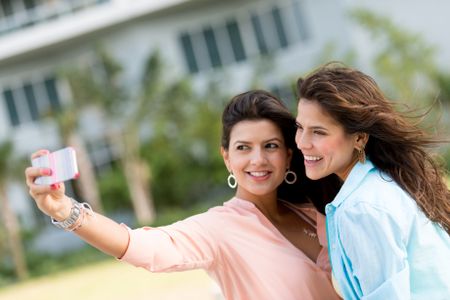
[(63, 164)]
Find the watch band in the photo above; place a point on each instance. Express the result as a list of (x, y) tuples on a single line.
[(75, 214)]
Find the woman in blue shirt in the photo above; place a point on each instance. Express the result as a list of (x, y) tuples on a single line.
[(388, 227)]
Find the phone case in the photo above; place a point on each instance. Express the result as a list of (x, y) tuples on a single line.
[(63, 164)]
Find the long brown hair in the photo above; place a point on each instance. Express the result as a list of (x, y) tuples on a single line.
[(396, 144), (262, 105)]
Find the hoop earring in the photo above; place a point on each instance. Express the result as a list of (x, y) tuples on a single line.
[(232, 182), (362, 155), (291, 173)]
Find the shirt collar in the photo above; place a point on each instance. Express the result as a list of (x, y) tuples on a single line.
[(353, 180)]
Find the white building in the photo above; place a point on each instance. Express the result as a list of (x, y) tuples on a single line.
[(196, 37)]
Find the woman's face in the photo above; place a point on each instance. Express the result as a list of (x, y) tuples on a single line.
[(258, 157), (322, 140)]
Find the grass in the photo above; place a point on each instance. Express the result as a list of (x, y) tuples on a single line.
[(111, 280)]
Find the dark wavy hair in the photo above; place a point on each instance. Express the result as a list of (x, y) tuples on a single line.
[(262, 105), (396, 144)]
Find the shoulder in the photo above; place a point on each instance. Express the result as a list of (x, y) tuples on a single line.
[(379, 191), (379, 201), (231, 213)]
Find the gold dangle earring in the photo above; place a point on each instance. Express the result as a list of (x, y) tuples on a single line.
[(362, 155)]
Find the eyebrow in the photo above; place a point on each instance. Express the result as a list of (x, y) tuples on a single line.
[(318, 127), (312, 127), (266, 141)]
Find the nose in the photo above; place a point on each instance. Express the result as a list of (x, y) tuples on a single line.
[(302, 140), (258, 157)]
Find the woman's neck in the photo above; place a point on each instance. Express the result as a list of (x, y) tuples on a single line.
[(344, 174), (273, 210), (267, 205)]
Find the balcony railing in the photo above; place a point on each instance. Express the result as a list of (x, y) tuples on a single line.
[(15, 15)]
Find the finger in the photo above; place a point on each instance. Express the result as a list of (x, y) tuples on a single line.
[(37, 190), (32, 172), (36, 172), (55, 189), (39, 153)]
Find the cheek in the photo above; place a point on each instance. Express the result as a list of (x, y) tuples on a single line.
[(338, 147), (236, 162), (327, 147), (282, 161)]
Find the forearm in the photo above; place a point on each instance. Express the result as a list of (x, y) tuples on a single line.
[(104, 234), (97, 230)]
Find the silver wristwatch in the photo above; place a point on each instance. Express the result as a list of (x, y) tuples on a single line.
[(75, 212)]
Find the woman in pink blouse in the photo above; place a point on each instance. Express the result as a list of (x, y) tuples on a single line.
[(255, 246)]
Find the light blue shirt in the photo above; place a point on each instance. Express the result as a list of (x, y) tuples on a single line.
[(381, 245)]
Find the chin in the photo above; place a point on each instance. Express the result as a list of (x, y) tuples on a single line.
[(314, 176)]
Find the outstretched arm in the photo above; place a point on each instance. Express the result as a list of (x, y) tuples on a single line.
[(97, 230)]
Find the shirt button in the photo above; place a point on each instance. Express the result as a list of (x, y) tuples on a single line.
[(333, 246)]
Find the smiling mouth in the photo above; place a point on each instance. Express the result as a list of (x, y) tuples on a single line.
[(312, 159), (259, 174)]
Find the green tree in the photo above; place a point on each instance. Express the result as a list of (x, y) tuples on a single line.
[(406, 66), (184, 149), (404, 60), (125, 111), (67, 119), (8, 169)]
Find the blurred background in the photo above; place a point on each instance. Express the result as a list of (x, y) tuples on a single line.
[(138, 87)]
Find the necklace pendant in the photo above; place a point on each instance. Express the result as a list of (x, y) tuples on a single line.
[(310, 233)]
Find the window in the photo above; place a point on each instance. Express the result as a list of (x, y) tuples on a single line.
[(188, 51), (266, 31), (11, 106), (270, 31), (283, 42), (6, 7), (52, 93), (236, 41), (29, 4), (262, 45), (211, 45), (31, 101), (24, 13)]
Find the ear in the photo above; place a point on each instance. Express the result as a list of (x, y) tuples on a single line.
[(225, 157), (361, 140)]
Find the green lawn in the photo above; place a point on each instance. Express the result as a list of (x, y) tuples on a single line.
[(112, 280)]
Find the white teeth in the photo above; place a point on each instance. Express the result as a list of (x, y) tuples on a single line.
[(314, 158), (258, 174)]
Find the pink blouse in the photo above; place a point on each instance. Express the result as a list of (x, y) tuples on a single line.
[(240, 249)]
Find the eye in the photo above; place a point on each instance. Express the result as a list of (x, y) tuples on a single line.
[(319, 132), (272, 146), (242, 147)]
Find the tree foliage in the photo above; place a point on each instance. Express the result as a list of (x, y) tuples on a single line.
[(404, 60), (406, 67), (9, 171), (184, 149)]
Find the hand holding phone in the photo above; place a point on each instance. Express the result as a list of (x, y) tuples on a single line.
[(63, 164)]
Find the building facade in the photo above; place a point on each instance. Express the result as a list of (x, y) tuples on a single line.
[(196, 37)]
